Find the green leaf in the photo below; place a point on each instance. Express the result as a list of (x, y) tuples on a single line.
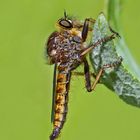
[(117, 79), (113, 10)]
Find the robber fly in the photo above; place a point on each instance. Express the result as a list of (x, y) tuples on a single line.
[(67, 49)]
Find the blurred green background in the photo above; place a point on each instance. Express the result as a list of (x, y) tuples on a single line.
[(26, 80)]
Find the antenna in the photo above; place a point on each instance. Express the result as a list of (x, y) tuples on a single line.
[(65, 14)]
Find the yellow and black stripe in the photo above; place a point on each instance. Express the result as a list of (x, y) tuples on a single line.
[(61, 102)]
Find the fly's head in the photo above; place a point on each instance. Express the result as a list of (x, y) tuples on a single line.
[(65, 23)]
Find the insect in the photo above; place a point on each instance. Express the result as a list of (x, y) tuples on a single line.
[(67, 49)]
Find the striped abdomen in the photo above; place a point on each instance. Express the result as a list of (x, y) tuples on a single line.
[(61, 101)]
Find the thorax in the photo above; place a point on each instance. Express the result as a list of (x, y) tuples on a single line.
[(64, 48)]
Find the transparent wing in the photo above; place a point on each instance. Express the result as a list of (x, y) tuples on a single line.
[(54, 92)]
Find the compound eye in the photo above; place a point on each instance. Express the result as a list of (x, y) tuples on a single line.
[(65, 23)]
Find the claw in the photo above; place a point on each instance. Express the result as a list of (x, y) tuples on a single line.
[(114, 32)]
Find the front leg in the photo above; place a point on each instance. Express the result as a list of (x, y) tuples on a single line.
[(99, 42), (86, 28), (114, 32)]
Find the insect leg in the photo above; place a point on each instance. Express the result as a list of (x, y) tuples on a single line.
[(86, 27), (114, 32), (87, 76), (97, 78), (75, 73), (101, 71), (100, 41)]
